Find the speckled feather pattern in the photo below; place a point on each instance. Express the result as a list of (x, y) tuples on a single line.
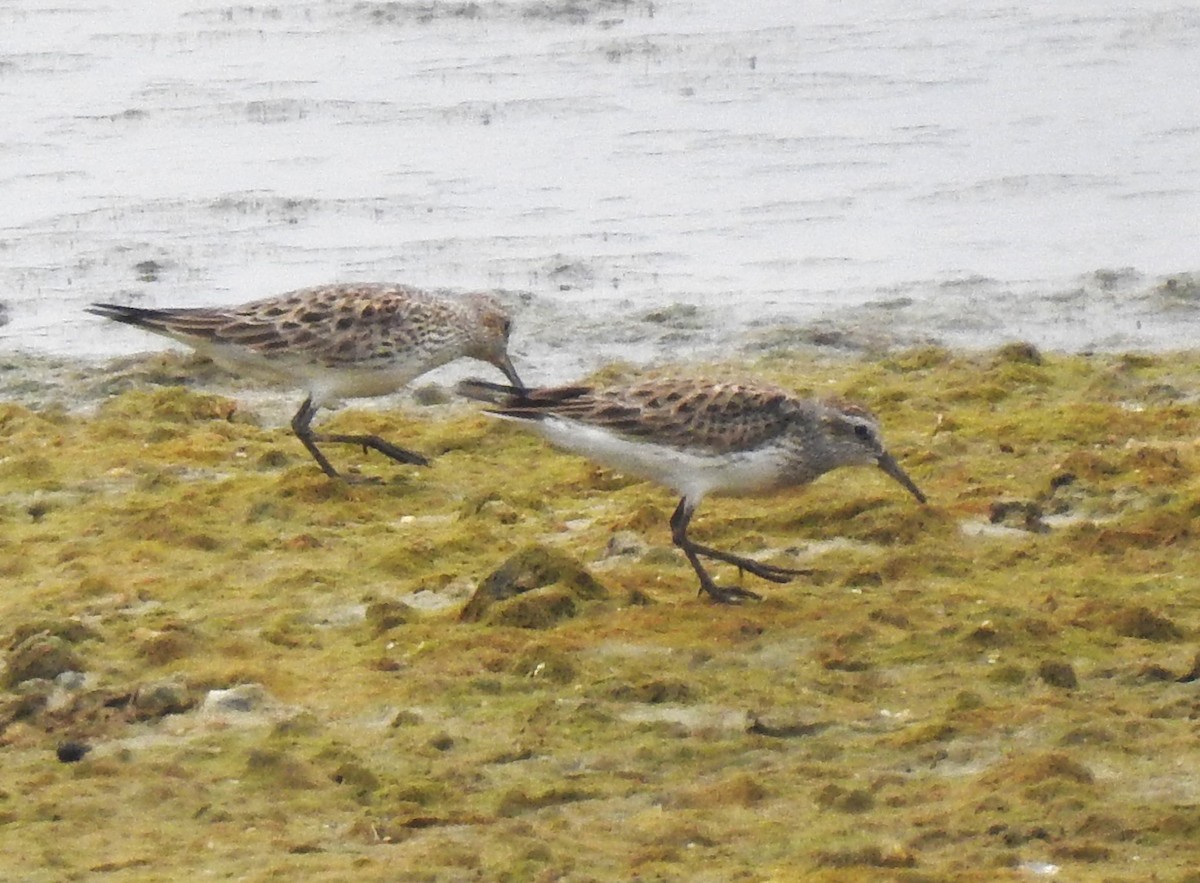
[(694, 414), (338, 340), (338, 325), (701, 436)]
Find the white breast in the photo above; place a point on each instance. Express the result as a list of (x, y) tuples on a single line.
[(327, 385), (693, 474)]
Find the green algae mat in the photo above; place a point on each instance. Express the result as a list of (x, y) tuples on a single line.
[(218, 664)]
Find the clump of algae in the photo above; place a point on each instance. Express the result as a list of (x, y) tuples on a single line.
[(535, 588), (955, 693)]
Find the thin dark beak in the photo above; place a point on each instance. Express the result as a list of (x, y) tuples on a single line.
[(889, 465), (506, 365)]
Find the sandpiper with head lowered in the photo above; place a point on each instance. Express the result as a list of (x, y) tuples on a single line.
[(700, 437), (337, 342)]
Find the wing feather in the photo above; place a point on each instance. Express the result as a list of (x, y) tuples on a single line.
[(337, 324), (699, 414)]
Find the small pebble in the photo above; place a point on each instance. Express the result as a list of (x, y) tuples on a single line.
[(237, 700), (70, 680), (72, 751)]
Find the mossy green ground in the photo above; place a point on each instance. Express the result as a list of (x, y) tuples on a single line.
[(943, 699)]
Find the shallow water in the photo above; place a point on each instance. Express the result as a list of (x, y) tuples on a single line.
[(679, 179)]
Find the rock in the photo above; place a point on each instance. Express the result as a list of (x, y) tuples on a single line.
[(71, 681), (535, 588), (41, 656), (241, 699), (160, 698), (72, 751)]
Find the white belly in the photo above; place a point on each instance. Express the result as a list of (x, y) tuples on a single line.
[(692, 474), (327, 385)]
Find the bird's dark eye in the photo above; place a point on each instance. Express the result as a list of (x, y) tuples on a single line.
[(863, 432)]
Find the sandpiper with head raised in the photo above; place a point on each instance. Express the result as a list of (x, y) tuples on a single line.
[(337, 342), (701, 437)]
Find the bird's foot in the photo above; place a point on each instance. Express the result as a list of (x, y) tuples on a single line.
[(727, 594), (375, 443), (394, 452), (359, 480), (770, 572)]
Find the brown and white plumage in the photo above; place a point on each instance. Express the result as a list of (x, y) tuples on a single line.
[(702, 437), (337, 342)]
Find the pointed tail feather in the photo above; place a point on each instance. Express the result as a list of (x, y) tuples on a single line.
[(485, 391), (511, 401), (192, 325), (136, 316)]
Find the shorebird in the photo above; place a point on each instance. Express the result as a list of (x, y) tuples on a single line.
[(336, 342), (700, 437)]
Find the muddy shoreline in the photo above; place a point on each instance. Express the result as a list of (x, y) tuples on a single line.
[(560, 341), (218, 661)]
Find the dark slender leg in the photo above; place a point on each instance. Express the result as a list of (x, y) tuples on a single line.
[(679, 525), (302, 426)]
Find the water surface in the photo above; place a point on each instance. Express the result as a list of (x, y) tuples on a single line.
[(649, 180)]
